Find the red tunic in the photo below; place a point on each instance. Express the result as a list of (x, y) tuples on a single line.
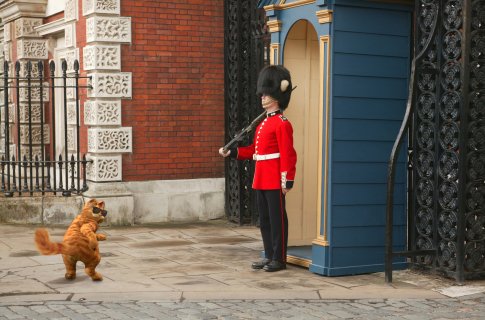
[(273, 135)]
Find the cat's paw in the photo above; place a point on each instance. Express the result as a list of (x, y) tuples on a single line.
[(70, 276), (100, 237), (97, 277)]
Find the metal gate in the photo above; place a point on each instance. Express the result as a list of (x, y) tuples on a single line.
[(246, 52), (446, 114), (29, 163)]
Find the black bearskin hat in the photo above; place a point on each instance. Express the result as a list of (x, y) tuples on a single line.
[(275, 81)]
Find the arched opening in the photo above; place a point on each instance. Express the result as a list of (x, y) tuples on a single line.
[(301, 56)]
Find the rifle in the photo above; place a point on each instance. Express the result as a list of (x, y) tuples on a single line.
[(244, 131)]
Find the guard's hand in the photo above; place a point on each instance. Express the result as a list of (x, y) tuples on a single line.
[(221, 152), (285, 191)]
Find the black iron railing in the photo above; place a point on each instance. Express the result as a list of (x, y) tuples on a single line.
[(246, 52), (446, 113), (23, 170)]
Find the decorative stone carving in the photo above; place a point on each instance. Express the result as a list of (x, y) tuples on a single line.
[(71, 90), (110, 29), (104, 168), (7, 33), (70, 36), (32, 49), (70, 10), (101, 6), (24, 27), (7, 51), (110, 85), (10, 130), (102, 57), (2, 98), (36, 136), (35, 112), (11, 71), (11, 114), (110, 140), (3, 130), (71, 113), (71, 55), (98, 113), (71, 139), (34, 72), (25, 151), (35, 93)]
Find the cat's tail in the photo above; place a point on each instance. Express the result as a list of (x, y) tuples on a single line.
[(45, 245)]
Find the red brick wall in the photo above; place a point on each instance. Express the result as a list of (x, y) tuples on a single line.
[(54, 17), (177, 110)]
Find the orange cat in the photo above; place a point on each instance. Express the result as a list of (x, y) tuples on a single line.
[(80, 241)]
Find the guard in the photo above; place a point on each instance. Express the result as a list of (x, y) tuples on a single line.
[(275, 158)]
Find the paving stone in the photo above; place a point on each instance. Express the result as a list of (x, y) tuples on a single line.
[(138, 277)]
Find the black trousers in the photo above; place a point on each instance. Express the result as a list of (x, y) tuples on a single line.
[(273, 223)]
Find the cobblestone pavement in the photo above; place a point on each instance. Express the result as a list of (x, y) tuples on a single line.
[(202, 271), (469, 308)]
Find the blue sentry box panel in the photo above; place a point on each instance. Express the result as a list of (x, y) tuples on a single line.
[(370, 64), (370, 76)]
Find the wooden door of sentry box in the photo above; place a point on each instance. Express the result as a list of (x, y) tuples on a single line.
[(301, 57)]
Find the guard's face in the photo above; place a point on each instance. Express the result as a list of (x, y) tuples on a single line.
[(268, 102)]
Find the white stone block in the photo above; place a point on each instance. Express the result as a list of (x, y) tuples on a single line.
[(25, 27), (71, 10), (104, 168), (32, 49), (71, 139), (101, 6), (71, 113), (25, 152), (102, 112), (7, 52), (102, 57), (34, 93), (7, 32), (25, 210), (36, 134), (61, 210), (70, 35), (35, 113), (34, 71), (151, 208), (178, 200), (115, 140), (71, 56), (108, 29), (110, 85)]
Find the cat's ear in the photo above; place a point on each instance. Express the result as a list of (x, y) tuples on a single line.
[(101, 204), (91, 203)]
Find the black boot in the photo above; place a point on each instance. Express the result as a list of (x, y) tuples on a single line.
[(260, 264), (274, 266)]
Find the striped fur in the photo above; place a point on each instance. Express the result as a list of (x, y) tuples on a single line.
[(80, 242)]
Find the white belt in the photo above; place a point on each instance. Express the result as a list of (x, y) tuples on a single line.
[(259, 157)]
